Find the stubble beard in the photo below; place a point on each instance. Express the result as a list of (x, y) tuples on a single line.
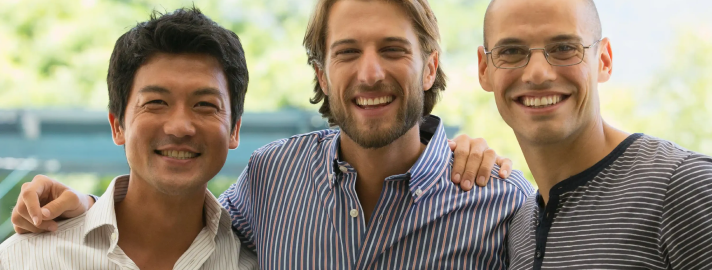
[(375, 134)]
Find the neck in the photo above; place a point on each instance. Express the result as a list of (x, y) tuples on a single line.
[(554, 162), (149, 225), (374, 165)]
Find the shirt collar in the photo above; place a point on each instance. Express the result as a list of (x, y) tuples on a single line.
[(103, 214), (426, 171)]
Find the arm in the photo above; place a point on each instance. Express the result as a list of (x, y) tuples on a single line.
[(43, 200), (475, 160), (686, 229), (237, 201)]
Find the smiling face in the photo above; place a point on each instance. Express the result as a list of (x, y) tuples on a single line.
[(544, 103), (374, 74), (177, 125)]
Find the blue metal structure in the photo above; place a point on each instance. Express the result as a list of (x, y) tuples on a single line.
[(69, 141)]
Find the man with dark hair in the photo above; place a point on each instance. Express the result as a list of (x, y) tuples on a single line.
[(177, 84), (607, 199)]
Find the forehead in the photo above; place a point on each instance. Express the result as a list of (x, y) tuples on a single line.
[(181, 73), (366, 20), (535, 21)]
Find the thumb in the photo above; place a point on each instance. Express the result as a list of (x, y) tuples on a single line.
[(66, 202)]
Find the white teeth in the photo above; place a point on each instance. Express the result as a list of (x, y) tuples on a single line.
[(373, 101), (178, 154), (541, 101)]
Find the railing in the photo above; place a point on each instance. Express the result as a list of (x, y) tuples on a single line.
[(23, 169)]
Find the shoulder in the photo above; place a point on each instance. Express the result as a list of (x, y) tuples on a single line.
[(516, 180), (302, 141), (650, 150), (19, 246)]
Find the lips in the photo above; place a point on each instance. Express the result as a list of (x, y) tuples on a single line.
[(373, 102)]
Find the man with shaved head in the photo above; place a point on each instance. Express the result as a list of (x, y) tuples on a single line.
[(607, 199)]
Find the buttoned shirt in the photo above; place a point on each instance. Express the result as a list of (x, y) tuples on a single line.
[(90, 241), (297, 206)]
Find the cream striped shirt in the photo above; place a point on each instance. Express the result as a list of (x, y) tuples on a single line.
[(90, 241)]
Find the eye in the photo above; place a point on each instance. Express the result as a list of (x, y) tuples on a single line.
[(156, 102), (347, 52), (562, 48), (512, 51), (206, 104), (393, 51)]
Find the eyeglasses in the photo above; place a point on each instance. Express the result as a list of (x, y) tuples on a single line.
[(557, 54)]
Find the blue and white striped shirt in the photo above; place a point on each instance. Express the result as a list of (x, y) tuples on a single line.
[(296, 205)]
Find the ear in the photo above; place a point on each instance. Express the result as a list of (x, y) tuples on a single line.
[(117, 132), (321, 78), (235, 136), (482, 69), (605, 62), (431, 70)]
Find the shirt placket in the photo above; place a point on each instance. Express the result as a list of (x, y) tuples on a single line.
[(349, 212), (384, 222)]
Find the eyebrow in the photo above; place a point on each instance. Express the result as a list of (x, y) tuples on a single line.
[(398, 40), (342, 42), (387, 39), (561, 38), (209, 91), (509, 41), (154, 89)]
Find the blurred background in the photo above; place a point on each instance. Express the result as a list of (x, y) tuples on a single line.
[(54, 57)]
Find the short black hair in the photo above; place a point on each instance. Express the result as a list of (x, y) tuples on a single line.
[(185, 30), (594, 20)]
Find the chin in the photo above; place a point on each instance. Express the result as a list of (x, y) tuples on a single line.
[(545, 134), (179, 185)]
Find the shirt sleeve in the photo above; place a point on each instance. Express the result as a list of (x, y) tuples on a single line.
[(237, 201), (686, 233)]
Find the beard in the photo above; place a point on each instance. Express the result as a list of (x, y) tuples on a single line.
[(377, 134)]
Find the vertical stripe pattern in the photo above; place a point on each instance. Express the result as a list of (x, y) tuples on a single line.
[(296, 206)]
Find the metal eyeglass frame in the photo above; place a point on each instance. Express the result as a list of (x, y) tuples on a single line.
[(546, 55)]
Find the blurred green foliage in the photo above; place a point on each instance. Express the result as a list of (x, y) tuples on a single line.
[(55, 54)]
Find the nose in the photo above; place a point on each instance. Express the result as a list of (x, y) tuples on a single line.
[(538, 71), (180, 124), (370, 70)]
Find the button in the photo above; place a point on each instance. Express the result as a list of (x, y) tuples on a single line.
[(331, 177), (343, 169), (113, 236), (354, 213), (419, 192), (537, 222), (538, 254)]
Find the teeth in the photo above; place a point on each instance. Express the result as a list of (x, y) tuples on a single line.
[(541, 101), (374, 101), (178, 154)]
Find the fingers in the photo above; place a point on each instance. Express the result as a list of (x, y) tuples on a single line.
[(68, 201), (505, 167), (460, 153), (23, 225), (483, 173), (30, 198), (474, 160)]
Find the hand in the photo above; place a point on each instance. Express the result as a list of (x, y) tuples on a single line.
[(43, 200), (475, 160)]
